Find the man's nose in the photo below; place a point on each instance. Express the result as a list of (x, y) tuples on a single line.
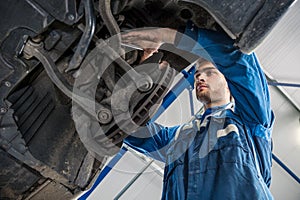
[(200, 78)]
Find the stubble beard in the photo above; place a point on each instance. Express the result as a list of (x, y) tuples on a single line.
[(204, 97)]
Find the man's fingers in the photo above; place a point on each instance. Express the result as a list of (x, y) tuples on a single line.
[(151, 50), (134, 35), (163, 65), (144, 44)]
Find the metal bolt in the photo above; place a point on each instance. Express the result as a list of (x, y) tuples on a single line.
[(144, 84), (71, 17), (7, 84), (37, 39), (3, 110), (104, 116)]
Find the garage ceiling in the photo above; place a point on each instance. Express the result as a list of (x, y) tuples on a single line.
[(279, 53)]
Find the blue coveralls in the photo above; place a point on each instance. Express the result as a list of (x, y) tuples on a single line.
[(226, 152)]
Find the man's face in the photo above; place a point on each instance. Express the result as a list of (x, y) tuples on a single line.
[(210, 85)]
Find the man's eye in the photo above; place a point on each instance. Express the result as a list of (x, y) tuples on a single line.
[(209, 73), (197, 75)]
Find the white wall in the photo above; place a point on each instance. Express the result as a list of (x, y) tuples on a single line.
[(286, 140)]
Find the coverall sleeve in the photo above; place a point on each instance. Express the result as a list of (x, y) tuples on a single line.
[(152, 140), (243, 73)]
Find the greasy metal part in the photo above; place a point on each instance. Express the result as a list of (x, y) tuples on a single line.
[(83, 175), (107, 75), (104, 172), (144, 111), (27, 158), (133, 57), (143, 82), (104, 116), (118, 6), (262, 24), (86, 102), (114, 30), (106, 139), (111, 24), (248, 22), (82, 47), (50, 189), (66, 11)]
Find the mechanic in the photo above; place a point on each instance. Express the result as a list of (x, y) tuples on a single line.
[(224, 153)]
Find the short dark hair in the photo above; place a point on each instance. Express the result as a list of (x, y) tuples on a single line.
[(201, 61)]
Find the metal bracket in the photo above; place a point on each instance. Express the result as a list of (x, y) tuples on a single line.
[(32, 49)]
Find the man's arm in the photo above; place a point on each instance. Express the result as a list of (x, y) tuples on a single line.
[(245, 77), (152, 140)]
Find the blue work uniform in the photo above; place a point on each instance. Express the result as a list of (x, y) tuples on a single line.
[(225, 153)]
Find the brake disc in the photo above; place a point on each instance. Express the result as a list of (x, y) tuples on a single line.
[(126, 105)]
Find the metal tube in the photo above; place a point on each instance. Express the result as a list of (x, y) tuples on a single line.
[(133, 180), (273, 83), (191, 100), (110, 22), (142, 81), (286, 168), (157, 169), (86, 36), (283, 93), (86, 102)]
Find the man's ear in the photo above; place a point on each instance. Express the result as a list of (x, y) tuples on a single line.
[(230, 95)]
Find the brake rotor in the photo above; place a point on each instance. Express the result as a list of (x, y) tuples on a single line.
[(126, 107)]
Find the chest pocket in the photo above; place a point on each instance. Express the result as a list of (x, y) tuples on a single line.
[(222, 141)]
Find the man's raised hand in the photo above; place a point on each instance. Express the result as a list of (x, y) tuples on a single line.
[(149, 38)]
